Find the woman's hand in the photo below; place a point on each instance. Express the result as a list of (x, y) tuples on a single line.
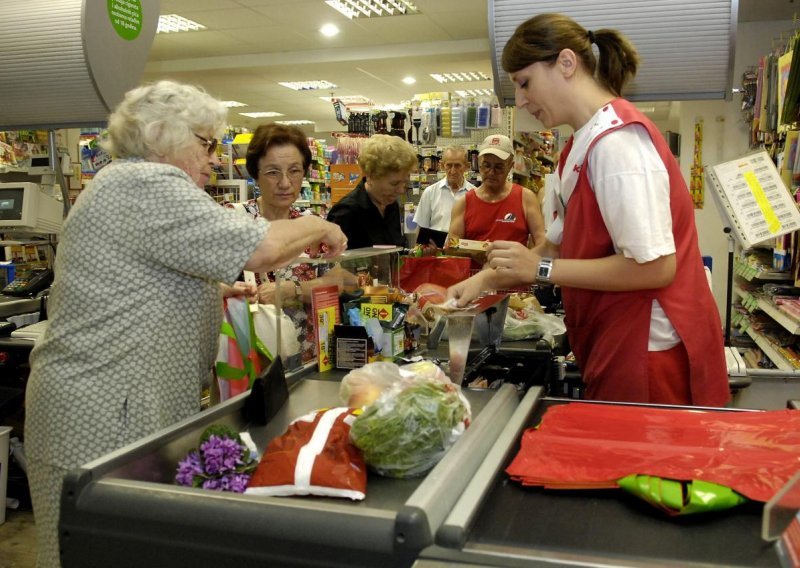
[(239, 289), (335, 240)]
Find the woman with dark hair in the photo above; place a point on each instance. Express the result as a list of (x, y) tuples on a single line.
[(640, 316), (278, 157)]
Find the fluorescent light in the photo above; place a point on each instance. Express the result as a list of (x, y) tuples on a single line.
[(372, 8), (308, 85), (260, 114), (232, 104), (349, 100), (409, 80), (329, 30), (294, 122), (475, 93), (460, 77), (171, 23)]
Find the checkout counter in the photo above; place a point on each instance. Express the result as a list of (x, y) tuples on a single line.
[(124, 509)]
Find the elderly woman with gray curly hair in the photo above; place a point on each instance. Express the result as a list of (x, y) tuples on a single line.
[(135, 309)]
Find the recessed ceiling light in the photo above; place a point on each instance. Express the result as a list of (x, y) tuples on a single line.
[(329, 30), (231, 104), (294, 122), (409, 80), (171, 23), (460, 77), (308, 85), (372, 8), (260, 114)]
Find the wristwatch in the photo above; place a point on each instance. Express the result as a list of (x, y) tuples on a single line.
[(544, 270)]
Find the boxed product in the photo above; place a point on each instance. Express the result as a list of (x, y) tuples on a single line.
[(476, 250)]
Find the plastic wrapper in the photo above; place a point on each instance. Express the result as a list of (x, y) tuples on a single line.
[(582, 445), (361, 387), (528, 323), (410, 427), (681, 497), (313, 457)]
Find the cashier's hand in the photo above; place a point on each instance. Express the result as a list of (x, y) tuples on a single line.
[(514, 263), (467, 290), (239, 289)]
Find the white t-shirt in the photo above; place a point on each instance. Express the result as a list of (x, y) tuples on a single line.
[(436, 204), (631, 185)]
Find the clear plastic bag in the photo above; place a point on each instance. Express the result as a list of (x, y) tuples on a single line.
[(410, 427), (529, 323), (361, 387)]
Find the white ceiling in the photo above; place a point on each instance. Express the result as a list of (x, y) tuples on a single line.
[(250, 46)]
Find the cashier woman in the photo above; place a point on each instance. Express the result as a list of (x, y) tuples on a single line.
[(135, 309), (640, 316)]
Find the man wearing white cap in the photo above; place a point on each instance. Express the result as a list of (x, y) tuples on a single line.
[(498, 210)]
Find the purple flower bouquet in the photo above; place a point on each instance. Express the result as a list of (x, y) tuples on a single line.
[(222, 462)]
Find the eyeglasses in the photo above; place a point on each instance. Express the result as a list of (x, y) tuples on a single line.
[(498, 168), (294, 174), (211, 145)]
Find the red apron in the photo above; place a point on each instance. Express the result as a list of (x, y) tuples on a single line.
[(609, 331)]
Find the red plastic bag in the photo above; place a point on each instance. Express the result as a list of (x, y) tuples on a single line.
[(442, 270), (584, 445), (313, 457)]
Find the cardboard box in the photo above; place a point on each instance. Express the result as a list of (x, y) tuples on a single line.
[(475, 250)]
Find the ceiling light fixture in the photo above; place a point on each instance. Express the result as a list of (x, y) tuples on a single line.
[(369, 8), (308, 85), (294, 122), (349, 100), (231, 104), (329, 30), (409, 80), (171, 23), (461, 77), (260, 114), (475, 93)]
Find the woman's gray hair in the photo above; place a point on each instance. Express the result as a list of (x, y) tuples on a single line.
[(382, 154), (161, 119)]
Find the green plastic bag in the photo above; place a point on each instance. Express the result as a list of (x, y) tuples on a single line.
[(681, 497)]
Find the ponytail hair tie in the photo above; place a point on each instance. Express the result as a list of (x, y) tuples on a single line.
[(591, 37)]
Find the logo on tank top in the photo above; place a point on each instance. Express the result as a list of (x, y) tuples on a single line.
[(509, 218)]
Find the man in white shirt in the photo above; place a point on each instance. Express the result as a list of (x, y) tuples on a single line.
[(433, 211)]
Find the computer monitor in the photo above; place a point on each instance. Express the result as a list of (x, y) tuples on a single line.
[(25, 208)]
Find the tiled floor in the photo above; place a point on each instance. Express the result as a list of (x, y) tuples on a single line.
[(18, 540)]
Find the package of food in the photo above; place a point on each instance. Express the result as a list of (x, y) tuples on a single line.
[(410, 427), (476, 250), (313, 457), (361, 387)]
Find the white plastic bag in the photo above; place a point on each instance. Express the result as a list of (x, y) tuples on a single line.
[(264, 321)]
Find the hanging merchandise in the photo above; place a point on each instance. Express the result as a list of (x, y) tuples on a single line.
[(428, 127), (446, 124), (472, 114), (341, 111), (497, 115), (696, 186), (482, 120), (398, 124), (457, 118)]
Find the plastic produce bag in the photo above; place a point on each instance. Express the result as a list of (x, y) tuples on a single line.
[(410, 427), (266, 330), (529, 323), (361, 387)]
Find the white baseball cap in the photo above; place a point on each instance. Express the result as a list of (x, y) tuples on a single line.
[(498, 145)]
